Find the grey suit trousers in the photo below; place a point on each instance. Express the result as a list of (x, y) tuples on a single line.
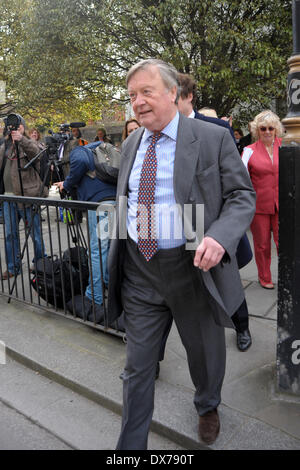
[(152, 291)]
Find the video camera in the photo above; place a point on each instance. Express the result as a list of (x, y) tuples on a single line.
[(54, 140)]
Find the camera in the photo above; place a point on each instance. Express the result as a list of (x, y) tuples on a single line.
[(54, 141), (12, 123)]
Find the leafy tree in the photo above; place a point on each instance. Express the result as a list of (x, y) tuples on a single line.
[(77, 52), (236, 50), (11, 36), (44, 81)]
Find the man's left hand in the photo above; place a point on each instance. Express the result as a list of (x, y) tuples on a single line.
[(208, 254)]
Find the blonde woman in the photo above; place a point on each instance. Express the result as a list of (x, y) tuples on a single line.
[(261, 160)]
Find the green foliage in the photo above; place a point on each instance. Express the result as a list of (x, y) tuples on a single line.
[(11, 36), (70, 57)]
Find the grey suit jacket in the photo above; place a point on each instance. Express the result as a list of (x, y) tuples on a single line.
[(207, 170)]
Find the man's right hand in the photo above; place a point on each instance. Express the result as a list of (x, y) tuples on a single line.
[(59, 185), (208, 254)]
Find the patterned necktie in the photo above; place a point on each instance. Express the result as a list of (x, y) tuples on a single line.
[(146, 229)]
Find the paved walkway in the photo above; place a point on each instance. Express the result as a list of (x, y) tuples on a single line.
[(253, 415)]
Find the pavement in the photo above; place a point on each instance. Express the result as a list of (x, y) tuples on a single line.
[(88, 363)]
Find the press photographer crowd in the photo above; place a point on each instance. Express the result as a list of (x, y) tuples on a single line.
[(171, 154)]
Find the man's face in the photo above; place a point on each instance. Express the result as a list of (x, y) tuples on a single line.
[(75, 132), (154, 106), (21, 129), (185, 105)]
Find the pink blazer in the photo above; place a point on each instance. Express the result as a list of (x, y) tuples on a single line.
[(263, 174)]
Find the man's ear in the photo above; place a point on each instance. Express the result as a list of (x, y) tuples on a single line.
[(174, 93), (190, 97)]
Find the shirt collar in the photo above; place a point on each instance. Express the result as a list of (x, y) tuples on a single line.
[(170, 130), (192, 115)]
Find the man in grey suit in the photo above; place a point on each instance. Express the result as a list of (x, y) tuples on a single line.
[(173, 161)]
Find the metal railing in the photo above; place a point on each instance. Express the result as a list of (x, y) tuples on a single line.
[(57, 280)]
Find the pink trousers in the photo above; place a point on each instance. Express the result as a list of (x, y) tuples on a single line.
[(261, 228)]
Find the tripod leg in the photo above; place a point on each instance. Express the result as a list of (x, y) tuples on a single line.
[(49, 163)]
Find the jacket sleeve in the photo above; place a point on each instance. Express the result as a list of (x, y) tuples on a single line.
[(29, 146), (238, 196), (79, 165)]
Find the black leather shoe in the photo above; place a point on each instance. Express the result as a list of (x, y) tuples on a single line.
[(243, 340)]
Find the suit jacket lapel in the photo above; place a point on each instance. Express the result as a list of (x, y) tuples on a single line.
[(186, 158), (128, 161)]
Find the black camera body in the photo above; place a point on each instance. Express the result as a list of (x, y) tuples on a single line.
[(54, 140), (12, 123), (64, 134)]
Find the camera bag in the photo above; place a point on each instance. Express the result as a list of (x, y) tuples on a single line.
[(56, 280), (107, 163)]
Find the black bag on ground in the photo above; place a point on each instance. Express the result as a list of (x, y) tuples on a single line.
[(53, 276), (47, 280), (75, 260), (82, 307)]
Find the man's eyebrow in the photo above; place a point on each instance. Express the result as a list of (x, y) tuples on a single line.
[(143, 86)]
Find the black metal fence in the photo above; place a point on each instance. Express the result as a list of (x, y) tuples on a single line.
[(57, 280)]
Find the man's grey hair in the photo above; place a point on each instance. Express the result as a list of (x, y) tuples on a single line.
[(168, 73)]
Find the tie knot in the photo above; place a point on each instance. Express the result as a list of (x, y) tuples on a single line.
[(155, 137)]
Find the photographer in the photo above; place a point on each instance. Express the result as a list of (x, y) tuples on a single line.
[(69, 145), (15, 152), (78, 136), (55, 163)]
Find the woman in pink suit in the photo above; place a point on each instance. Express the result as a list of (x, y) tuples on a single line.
[(261, 160)]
